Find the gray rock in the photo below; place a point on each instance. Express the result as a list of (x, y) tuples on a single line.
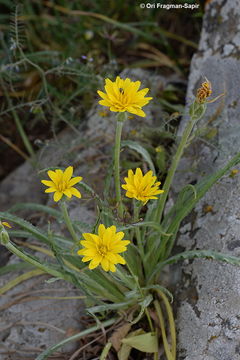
[(209, 310)]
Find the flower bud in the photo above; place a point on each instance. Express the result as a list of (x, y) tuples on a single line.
[(4, 237)]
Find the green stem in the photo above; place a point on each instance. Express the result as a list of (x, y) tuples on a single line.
[(105, 351), (120, 119), (184, 139), (136, 210), (135, 278), (167, 350), (149, 320), (18, 123), (68, 221), (171, 322), (13, 249)]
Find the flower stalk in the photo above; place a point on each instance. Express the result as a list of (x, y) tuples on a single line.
[(196, 112), (136, 210), (120, 120), (68, 221)]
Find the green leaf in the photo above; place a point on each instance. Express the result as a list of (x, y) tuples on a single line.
[(36, 207), (189, 198), (207, 254), (151, 224), (90, 190), (25, 225), (45, 354), (107, 307), (141, 150), (124, 352), (161, 288), (14, 267), (147, 342), (144, 304)]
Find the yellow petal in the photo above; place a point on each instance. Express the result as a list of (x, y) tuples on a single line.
[(111, 257), (112, 267), (120, 259), (75, 192), (5, 223), (105, 264), (47, 183), (102, 94), (53, 175), (136, 111), (50, 190), (101, 230), (93, 264), (88, 244), (104, 103), (68, 193), (74, 181), (67, 173), (57, 196), (91, 237)]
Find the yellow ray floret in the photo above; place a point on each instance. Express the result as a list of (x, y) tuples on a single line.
[(62, 183), (104, 248), (124, 95), (142, 187), (4, 223)]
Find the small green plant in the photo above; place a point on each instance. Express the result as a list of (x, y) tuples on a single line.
[(90, 257)]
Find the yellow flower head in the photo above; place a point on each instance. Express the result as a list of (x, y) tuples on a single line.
[(141, 187), (62, 183), (104, 248), (4, 223), (123, 95), (204, 91)]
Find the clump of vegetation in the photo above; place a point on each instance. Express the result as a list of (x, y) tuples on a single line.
[(118, 264)]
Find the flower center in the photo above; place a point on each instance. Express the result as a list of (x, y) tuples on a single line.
[(102, 249), (62, 185)]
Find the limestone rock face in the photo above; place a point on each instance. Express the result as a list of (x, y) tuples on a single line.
[(208, 317)]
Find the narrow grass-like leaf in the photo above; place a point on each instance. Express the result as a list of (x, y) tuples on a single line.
[(75, 337), (190, 199), (151, 224), (14, 282), (207, 254), (107, 307), (25, 225), (141, 150), (14, 267), (161, 288), (36, 207), (144, 304)]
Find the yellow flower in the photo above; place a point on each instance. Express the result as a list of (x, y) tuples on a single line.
[(4, 223), (104, 248), (62, 183), (204, 91), (141, 187), (234, 172), (123, 95)]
